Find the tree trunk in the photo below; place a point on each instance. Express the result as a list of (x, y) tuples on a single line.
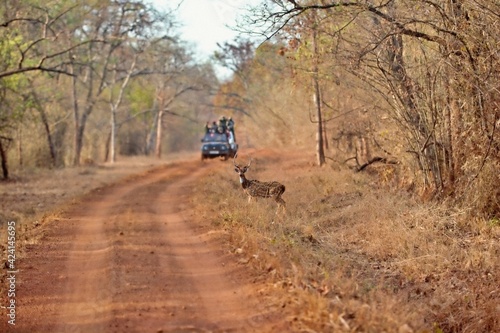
[(80, 121), (79, 129), (320, 152), (3, 156), (112, 136), (106, 147), (455, 136), (45, 122), (77, 142), (114, 104), (455, 96), (325, 137), (158, 132), (450, 141), (48, 134), (20, 147)]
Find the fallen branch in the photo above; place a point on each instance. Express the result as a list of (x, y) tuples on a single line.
[(374, 160)]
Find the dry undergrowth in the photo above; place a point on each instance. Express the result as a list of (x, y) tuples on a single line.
[(348, 256), (352, 256)]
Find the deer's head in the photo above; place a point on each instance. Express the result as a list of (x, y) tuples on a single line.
[(240, 170)]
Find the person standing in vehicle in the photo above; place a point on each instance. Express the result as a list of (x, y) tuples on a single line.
[(230, 126), (223, 123)]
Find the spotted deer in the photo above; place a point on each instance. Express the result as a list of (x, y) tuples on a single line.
[(258, 189)]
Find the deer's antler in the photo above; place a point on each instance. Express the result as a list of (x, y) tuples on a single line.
[(236, 165), (234, 160)]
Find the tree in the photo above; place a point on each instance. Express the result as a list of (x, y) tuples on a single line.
[(31, 31), (114, 102), (320, 146), (115, 24), (172, 82), (236, 56), (28, 32), (433, 65)]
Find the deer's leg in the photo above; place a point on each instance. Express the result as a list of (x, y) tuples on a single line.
[(281, 203), (278, 198)]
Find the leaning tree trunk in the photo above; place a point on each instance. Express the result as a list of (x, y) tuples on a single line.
[(320, 151), (48, 134), (46, 126), (114, 104)]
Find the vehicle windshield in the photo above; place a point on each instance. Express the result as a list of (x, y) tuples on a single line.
[(215, 137)]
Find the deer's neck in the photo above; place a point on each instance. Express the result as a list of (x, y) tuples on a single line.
[(244, 182)]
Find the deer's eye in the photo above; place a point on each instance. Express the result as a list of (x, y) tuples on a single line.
[(237, 170)]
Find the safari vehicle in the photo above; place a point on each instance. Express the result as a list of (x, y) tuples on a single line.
[(220, 145)]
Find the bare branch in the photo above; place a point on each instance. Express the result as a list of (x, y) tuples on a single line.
[(32, 69), (287, 14)]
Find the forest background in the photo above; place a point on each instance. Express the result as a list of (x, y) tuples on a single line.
[(410, 85)]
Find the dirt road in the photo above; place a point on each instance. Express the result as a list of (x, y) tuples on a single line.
[(129, 258)]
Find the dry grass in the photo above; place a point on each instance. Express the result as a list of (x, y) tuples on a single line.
[(352, 256), (349, 255)]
